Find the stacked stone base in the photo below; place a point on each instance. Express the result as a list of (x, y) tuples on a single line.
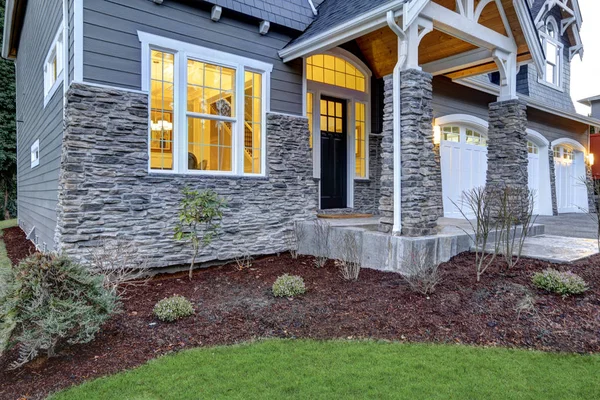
[(107, 193)]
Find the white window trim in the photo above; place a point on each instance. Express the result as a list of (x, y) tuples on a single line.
[(183, 51), (35, 149), (319, 89), (544, 36), (57, 49)]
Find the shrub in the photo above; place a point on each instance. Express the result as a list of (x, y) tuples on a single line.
[(173, 308), (288, 286), (49, 299), (563, 283), (421, 272)]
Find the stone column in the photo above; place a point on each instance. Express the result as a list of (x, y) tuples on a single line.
[(421, 177), (386, 200), (507, 147)]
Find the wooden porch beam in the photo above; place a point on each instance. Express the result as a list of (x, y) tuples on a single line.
[(466, 29)]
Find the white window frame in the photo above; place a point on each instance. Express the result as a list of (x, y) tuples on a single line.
[(558, 62), (35, 153), (56, 51), (318, 89), (182, 52)]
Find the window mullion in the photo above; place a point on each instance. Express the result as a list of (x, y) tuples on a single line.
[(179, 109), (238, 126)]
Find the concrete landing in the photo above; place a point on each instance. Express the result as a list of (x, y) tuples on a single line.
[(558, 249), (385, 252)]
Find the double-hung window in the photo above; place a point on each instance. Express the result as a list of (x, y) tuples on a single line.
[(207, 109), (53, 66), (553, 49)]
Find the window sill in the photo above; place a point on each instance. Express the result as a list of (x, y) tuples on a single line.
[(550, 85), (366, 180), (157, 173)]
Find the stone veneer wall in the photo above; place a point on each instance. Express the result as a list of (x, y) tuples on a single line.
[(507, 144), (106, 191), (367, 192), (421, 171)]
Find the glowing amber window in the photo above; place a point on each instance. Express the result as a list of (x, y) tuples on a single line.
[(161, 111), (335, 71), (361, 141)]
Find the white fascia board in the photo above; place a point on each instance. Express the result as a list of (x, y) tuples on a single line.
[(492, 89), (8, 13), (531, 35), (411, 11), (342, 33), (454, 24)]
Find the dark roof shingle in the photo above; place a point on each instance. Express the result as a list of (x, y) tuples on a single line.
[(295, 14)]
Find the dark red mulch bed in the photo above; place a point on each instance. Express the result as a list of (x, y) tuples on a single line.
[(234, 306), (17, 245)]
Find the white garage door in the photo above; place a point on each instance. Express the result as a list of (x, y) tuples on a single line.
[(463, 155), (569, 168), (533, 172)]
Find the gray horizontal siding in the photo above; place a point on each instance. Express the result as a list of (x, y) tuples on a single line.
[(38, 187), (112, 52), (452, 98)]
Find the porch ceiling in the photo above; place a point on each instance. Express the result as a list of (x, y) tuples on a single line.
[(381, 50)]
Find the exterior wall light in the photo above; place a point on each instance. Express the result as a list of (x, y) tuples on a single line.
[(590, 158), (437, 135)]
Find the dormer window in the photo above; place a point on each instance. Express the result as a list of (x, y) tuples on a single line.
[(553, 49)]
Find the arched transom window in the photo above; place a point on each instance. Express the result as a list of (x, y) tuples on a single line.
[(563, 153), (334, 71), (461, 134)]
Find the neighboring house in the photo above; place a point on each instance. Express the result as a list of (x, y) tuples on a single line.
[(594, 104), (286, 108)]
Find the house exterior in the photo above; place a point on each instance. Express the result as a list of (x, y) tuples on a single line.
[(286, 109)]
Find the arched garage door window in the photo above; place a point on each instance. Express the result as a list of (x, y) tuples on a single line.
[(463, 153)]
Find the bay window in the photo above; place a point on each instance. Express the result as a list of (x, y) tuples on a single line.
[(207, 109)]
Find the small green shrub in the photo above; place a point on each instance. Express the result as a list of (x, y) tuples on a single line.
[(288, 286), (173, 308), (563, 283), (49, 299)]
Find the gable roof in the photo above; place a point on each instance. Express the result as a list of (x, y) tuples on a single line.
[(294, 14), (588, 101), (332, 13)]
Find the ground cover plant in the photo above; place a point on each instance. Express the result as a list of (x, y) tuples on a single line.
[(288, 286), (285, 369), (173, 308), (563, 283)]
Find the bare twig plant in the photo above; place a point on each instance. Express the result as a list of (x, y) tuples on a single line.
[(120, 263), (526, 306), (420, 271), (321, 242), (294, 237), (349, 262), (244, 261), (515, 211), (479, 201)]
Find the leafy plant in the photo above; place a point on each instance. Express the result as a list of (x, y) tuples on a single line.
[(563, 283), (173, 308), (200, 215), (288, 286), (48, 299)]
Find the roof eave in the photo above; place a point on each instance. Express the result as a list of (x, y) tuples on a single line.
[(349, 30), (531, 34), (8, 24)]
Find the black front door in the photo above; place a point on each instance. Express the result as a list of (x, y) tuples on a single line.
[(333, 153)]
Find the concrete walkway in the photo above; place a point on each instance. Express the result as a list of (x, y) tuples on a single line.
[(570, 225)]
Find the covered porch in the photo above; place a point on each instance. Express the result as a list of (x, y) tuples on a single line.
[(406, 44)]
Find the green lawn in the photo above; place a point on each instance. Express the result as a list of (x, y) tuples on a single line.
[(280, 369), (9, 223)]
